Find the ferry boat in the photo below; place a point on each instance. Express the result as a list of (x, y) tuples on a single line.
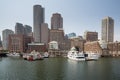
[(92, 56), (76, 55)]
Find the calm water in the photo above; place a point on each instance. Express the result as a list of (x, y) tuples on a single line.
[(59, 69)]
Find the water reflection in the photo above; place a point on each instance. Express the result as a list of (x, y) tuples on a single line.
[(59, 69)]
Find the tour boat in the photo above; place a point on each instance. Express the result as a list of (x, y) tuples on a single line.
[(92, 56), (76, 55)]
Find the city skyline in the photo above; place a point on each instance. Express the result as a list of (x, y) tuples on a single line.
[(78, 16)]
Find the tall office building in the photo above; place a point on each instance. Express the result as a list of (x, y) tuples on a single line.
[(44, 33), (28, 30), (38, 19), (19, 28), (56, 21), (107, 29), (5, 35), (71, 35)]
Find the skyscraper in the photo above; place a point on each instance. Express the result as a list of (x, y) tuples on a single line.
[(107, 29), (19, 28), (5, 35), (71, 35), (44, 33), (28, 29), (56, 21), (38, 19)]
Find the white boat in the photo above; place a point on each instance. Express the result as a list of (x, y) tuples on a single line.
[(76, 55), (46, 55), (13, 54), (33, 56), (92, 56)]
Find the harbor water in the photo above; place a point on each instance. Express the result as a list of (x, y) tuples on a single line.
[(12, 68)]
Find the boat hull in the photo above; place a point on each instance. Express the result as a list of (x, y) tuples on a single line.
[(77, 59), (92, 56)]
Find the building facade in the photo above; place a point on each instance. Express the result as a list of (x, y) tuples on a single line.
[(28, 30), (90, 36), (77, 42), (44, 33), (107, 29), (5, 35), (38, 19), (71, 35), (0, 43), (19, 28), (19, 43), (56, 21), (58, 36), (40, 47), (93, 46)]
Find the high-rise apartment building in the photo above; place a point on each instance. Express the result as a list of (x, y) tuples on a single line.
[(107, 29), (5, 35), (56, 21), (19, 28), (38, 19)]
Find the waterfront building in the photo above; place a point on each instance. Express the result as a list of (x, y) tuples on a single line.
[(53, 45), (107, 29), (56, 21), (5, 35), (71, 35), (19, 42), (19, 28), (38, 19), (94, 47), (114, 48), (40, 47), (28, 30), (58, 36), (90, 36), (44, 33), (77, 42)]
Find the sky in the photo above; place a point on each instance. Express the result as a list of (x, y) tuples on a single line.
[(78, 15)]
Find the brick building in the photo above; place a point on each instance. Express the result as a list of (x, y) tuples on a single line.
[(91, 36), (19, 42), (93, 47), (41, 47), (77, 42), (114, 48)]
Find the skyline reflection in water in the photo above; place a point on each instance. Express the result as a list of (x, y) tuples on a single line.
[(59, 69)]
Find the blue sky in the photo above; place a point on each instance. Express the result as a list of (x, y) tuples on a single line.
[(78, 15)]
